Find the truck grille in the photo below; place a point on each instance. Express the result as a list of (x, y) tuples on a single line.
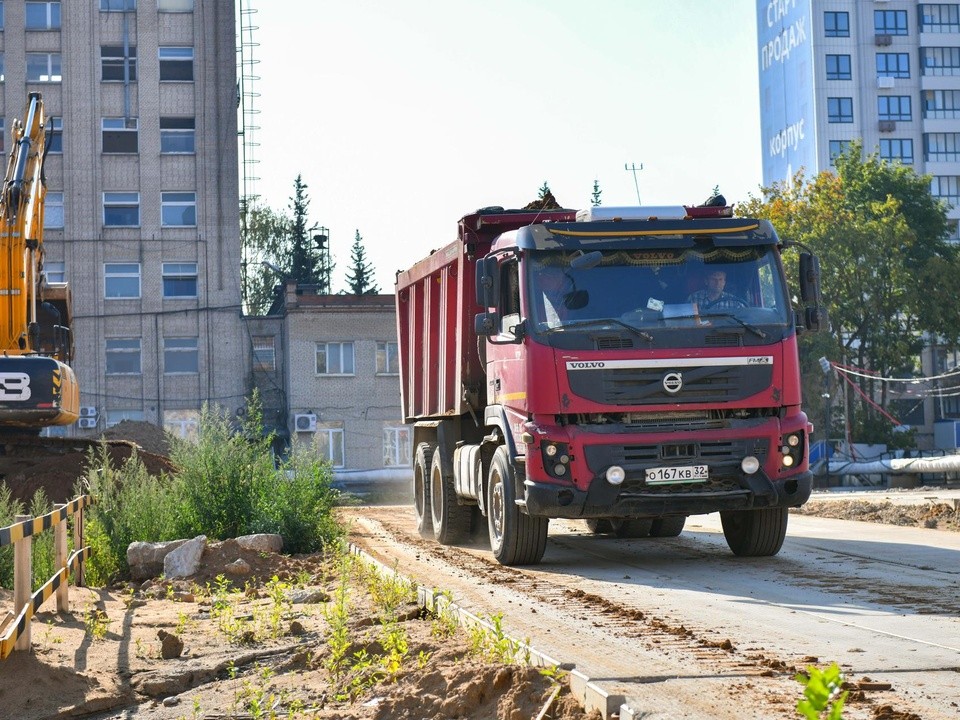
[(644, 386)]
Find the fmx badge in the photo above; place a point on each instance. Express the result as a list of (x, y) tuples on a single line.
[(14, 386), (673, 382)]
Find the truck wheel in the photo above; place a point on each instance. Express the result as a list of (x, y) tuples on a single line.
[(668, 526), (599, 526), (515, 537), (755, 533), (421, 490), (451, 520), (631, 527)]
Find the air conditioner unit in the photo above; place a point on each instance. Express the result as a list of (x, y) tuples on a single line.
[(87, 423), (888, 125), (87, 411), (305, 422), (885, 83), (882, 40)]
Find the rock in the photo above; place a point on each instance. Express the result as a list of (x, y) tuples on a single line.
[(306, 597), (184, 561), (238, 568), (171, 701), (296, 628), (261, 542), (146, 559), (171, 646)]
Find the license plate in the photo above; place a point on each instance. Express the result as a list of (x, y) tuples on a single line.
[(671, 475)]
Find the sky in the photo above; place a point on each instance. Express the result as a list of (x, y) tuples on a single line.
[(403, 116)]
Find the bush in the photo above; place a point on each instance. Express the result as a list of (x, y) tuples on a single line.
[(9, 509)]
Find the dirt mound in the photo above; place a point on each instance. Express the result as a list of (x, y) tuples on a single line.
[(547, 202), (150, 437), (933, 515)]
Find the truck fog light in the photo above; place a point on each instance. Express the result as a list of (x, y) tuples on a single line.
[(616, 475), (787, 460), (750, 465), (559, 469), (550, 450), (564, 459), (793, 440)]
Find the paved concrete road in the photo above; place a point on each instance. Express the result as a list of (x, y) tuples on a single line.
[(683, 629)]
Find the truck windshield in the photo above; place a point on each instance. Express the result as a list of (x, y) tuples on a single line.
[(656, 289)]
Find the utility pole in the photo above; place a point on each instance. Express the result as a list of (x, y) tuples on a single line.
[(634, 169)]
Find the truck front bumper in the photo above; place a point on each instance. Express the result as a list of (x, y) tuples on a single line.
[(603, 500)]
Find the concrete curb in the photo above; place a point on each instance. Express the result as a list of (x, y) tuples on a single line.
[(590, 694)]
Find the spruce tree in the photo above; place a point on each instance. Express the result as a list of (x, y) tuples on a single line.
[(595, 197), (360, 278)]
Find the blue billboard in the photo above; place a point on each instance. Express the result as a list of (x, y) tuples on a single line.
[(787, 108)]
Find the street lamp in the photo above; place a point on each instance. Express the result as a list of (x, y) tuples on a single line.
[(322, 240), (827, 368)]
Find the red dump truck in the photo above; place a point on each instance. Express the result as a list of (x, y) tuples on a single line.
[(626, 366)]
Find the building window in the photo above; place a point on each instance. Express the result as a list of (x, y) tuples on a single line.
[(940, 60), (121, 281), (175, 6), (940, 18), (836, 24), (116, 66), (837, 148), (941, 104), (55, 272), (176, 64), (180, 356), (43, 67), (2, 145), (121, 209), (838, 67), (115, 417), (893, 65), (43, 16), (894, 107), (55, 138), (2, 78), (264, 353), (946, 188), (178, 209), (179, 280), (182, 423), (396, 446), (177, 135), (897, 150), (117, 5), (120, 135), (890, 22), (941, 147), (1, 14), (388, 362), (840, 110), (123, 356), (335, 358), (53, 210), (329, 443)]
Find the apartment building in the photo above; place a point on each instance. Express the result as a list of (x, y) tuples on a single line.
[(327, 371), (142, 202), (885, 71)]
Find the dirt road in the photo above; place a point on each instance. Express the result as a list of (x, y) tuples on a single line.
[(682, 629)]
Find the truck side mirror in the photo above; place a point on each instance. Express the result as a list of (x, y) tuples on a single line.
[(809, 278), (816, 318), (488, 282), (486, 324)]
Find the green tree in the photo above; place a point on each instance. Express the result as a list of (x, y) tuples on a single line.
[(264, 234), (889, 277), (304, 255), (360, 278), (595, 196), (544, 191)]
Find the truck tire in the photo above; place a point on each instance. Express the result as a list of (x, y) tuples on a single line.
[(599, 526), (421, 490), (515, 537), (631, 527), (755, 533), (668, 526), (451, 520)]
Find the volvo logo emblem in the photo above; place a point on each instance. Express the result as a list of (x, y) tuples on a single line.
[(672, 382)]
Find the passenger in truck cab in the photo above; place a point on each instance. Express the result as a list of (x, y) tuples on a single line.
[(713, 296)]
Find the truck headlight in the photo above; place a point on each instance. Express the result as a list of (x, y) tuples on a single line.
[(616, 475)]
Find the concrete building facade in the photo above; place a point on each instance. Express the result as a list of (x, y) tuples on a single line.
[(886, 71), (142, 207)]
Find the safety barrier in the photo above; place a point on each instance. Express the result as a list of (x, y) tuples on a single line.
[(15, 627)]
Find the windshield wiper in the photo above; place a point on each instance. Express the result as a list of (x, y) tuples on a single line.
[(605, 321), (752, 328)]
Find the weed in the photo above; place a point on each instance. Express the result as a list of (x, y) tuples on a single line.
[(445, 622), (337, 614), (822, 693), (96, 623), (554, 674)]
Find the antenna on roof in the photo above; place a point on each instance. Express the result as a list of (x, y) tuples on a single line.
[(634, 169)]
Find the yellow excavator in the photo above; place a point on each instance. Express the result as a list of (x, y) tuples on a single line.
[(38, 388)]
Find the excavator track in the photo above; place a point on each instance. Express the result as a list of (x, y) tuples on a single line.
[(59, 466)]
